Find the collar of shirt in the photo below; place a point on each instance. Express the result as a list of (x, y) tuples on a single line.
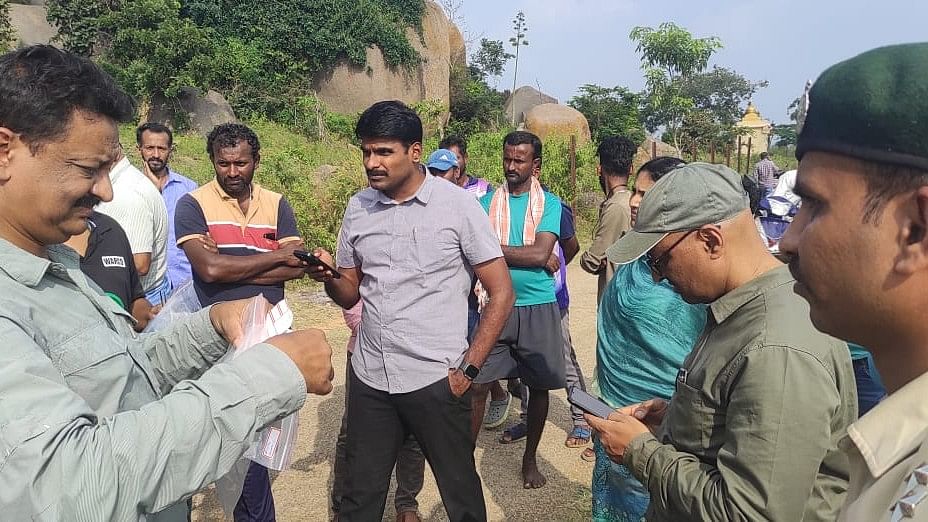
[(29, 269), (98, 229), (422, 194), (119, 168), (893, 428), (255, 191), (173, 177), (728, 304)]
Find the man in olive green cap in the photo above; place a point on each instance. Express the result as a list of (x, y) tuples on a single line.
[(859, 248), (751, 430)]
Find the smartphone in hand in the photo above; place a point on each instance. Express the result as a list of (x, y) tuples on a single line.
[(588, 403), (311, 259)]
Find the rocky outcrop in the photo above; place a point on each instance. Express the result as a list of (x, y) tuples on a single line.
[(651, 148), (524, 99), (350, 89), (457, 46), (193, 109), (31, 25), (551, 119)]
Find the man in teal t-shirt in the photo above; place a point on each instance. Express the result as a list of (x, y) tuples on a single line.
[(530, 345)]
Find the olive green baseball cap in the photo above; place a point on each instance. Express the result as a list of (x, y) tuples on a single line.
[(686, 198)]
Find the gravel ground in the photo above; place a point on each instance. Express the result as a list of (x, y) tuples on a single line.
[(301, 492)]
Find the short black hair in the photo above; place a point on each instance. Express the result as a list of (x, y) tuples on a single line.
[(516, 138), (754, 193), (157, 128), (453, 141), (616, 154), (390, 120), (228, 135), (764, 155), (885, 182), (660, 166), (41, 87)]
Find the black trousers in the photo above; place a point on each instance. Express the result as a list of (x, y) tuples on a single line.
[(379, 422)]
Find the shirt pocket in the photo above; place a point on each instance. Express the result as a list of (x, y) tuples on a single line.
[(95, 363), (437, 249), (695, 426)]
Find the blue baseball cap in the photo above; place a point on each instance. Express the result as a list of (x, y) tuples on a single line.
[(442, 159)]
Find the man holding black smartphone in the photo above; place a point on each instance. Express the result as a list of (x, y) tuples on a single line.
[(255, 235), (409, 245)]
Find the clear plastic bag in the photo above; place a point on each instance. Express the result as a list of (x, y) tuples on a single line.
[(273, 446), (183, 302)]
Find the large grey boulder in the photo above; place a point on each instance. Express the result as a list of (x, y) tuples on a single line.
[(524, 99), (350, 89), (200, 112), (31, 25)]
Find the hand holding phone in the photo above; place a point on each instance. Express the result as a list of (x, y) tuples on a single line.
[(312, 260), (588, 403)]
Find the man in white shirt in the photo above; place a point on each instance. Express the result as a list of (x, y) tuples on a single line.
[(138, 207)]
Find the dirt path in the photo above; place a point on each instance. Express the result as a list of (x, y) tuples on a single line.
[(302, 492)]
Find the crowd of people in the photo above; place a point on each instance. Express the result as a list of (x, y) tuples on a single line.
[(737, 383)]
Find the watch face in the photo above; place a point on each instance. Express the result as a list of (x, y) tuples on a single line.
[(471, 371)]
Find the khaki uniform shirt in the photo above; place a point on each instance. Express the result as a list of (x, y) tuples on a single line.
[(888, 449), (752, 429), (100, 423), (614, 220)]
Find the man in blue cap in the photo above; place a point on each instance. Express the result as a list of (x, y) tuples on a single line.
[(444, 163)]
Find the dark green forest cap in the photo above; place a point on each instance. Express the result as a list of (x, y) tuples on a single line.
[(872, 107), (686, 198)]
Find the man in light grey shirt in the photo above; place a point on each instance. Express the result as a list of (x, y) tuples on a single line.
[(409, 247), (96, 421)]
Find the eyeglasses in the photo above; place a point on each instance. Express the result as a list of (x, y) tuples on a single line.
[(655, 263)]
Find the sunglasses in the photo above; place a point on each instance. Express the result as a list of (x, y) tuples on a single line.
[(655, 263)]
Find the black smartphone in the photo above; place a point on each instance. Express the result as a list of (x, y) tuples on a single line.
[(588, 403), (315, 261)]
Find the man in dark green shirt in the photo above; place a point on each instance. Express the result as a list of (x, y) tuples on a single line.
[(752, 428)]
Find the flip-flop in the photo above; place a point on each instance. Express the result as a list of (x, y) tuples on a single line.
[(497, 412), (581, 434), (588, 455), (514, 433)]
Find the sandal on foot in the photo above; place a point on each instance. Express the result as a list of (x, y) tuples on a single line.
[(579, 437), (588, 455), (514, 433), (497, 412)]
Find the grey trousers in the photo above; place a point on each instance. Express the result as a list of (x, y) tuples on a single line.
[(573, 375), (410, 466)]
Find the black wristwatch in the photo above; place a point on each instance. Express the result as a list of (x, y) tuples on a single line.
[(469, 370)]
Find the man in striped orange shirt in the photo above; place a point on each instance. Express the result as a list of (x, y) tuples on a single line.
[(255, 234)]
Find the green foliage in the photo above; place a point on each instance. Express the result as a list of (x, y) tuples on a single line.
[(77, 22), (670, 55), (259, 53), (785, 135), (7, 34), (490, 59), (474, 105), (610, 111), (432, 113), (176, 54), (673, 50)]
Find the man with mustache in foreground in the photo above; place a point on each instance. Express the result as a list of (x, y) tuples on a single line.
[(859, 252), (98, 422)]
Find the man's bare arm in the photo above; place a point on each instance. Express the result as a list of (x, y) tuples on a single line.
[(264, 268), (531, 256), (494, 276)]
